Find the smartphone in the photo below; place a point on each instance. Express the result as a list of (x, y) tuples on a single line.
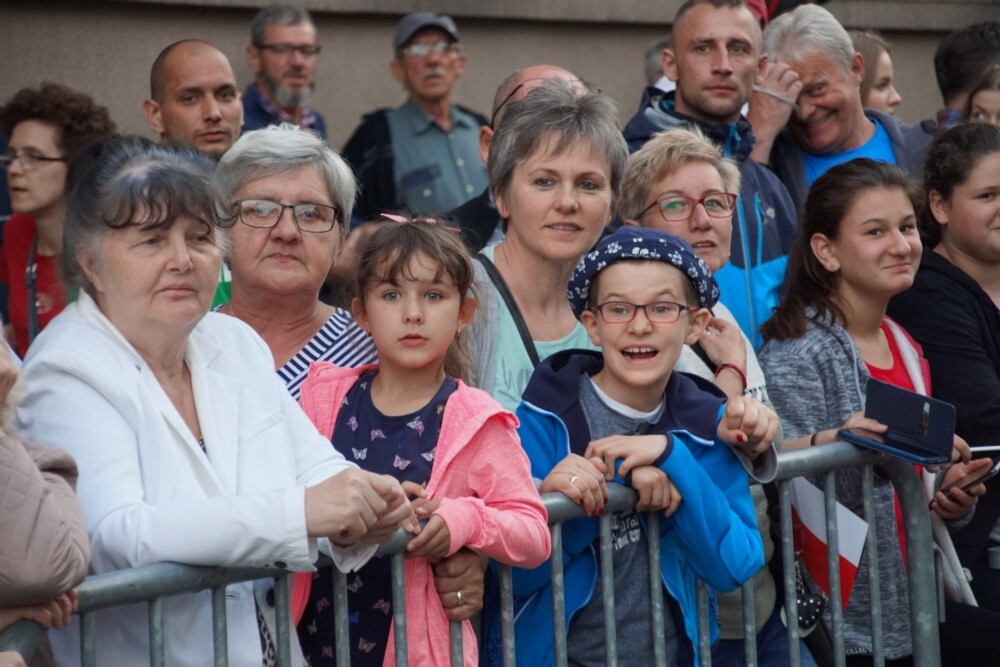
[(969, 481)]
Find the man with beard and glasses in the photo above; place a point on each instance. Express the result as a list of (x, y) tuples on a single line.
[(282, 56), (422, 157)]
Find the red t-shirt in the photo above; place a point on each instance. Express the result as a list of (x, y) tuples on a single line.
[(50, 296), (896, 375)]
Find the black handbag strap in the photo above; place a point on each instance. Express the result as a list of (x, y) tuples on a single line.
[(703, 355), (515, 312)]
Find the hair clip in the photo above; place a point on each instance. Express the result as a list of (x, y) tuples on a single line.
[(430, 220)]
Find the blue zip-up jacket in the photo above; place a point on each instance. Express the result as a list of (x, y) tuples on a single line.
[(765, 221), (713, 536)]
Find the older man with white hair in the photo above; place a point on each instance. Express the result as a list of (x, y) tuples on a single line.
[(826, 124)]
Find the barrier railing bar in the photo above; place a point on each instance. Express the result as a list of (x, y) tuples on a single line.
[(749, 622), (399, 610), (656, 589), (341, 629), (219, 627), (167, 579), (788, 572), (282, 620), (88, 653), (874, 585), (507, 615), (608, 592), (157, 650), (704, 637), (924, 630), (455, 631), (833, 566), (558, 597)]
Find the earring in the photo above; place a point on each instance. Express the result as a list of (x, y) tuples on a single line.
[(834, 266), (458, 334)]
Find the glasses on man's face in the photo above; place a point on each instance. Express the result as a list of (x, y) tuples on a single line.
[(282, 50), (423, 49), (265, 214), (28, 161), (675, 208), (660, 312)]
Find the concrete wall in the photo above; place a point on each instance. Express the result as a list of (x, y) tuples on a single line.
[(106, 48)]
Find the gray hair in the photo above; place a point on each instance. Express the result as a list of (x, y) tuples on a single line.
[(279, 14), (653, 60), (129, 180), (278, 149), (557, 108), (809, 29)]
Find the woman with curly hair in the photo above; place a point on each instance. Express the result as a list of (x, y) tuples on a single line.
[(48, 128)]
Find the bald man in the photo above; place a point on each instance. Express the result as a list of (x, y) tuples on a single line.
[(193, 98), (477, 218)]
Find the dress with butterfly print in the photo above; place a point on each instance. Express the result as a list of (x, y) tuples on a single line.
[(403, 447)]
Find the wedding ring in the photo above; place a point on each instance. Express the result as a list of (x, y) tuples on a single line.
[(459, 595), (572, 480)]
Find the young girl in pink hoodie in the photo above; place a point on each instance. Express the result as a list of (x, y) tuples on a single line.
[(453, 447)]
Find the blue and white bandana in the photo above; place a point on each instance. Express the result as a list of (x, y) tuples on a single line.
[(641, 243)]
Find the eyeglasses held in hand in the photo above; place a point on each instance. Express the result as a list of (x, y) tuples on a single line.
[(675, 208), (423, 49), (28, 161), (265, 214), (282, 50), (660, 312)]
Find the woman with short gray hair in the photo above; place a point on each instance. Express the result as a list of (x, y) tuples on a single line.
[(281, 258), (555, 165)]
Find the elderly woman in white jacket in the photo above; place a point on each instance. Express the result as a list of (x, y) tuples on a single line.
[(189, 448)]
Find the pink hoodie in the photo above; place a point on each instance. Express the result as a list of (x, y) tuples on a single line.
[(489, 500)]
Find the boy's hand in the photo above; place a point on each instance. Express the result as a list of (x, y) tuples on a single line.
[(637, 450), (581, 480), (433, 541), (748, 425), (656, 491)]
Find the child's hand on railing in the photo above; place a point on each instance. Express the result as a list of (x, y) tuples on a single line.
[(655, 489), (748, 425), (581, 480), (634, 450), (432, 542)]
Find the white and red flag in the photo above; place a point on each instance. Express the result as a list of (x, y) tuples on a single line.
[(809, 534)]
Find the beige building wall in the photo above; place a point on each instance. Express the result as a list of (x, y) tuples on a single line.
[(106, 48)]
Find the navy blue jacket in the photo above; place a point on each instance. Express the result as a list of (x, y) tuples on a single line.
[(765, 221)]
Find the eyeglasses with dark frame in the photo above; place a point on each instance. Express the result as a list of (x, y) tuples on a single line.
[(28, 161), (282, 50), (659, 312), (265, 214), (423, 49), (675, 208)]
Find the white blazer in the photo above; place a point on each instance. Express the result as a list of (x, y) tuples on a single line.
[(150, 494)]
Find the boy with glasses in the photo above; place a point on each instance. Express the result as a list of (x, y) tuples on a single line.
[(623, 414)]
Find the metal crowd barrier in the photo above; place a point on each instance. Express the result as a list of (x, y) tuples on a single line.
[(155, 582)]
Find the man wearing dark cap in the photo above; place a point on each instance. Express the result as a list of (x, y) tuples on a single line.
[(422, 157)]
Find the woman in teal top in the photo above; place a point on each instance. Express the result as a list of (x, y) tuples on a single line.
[(555, 166)]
